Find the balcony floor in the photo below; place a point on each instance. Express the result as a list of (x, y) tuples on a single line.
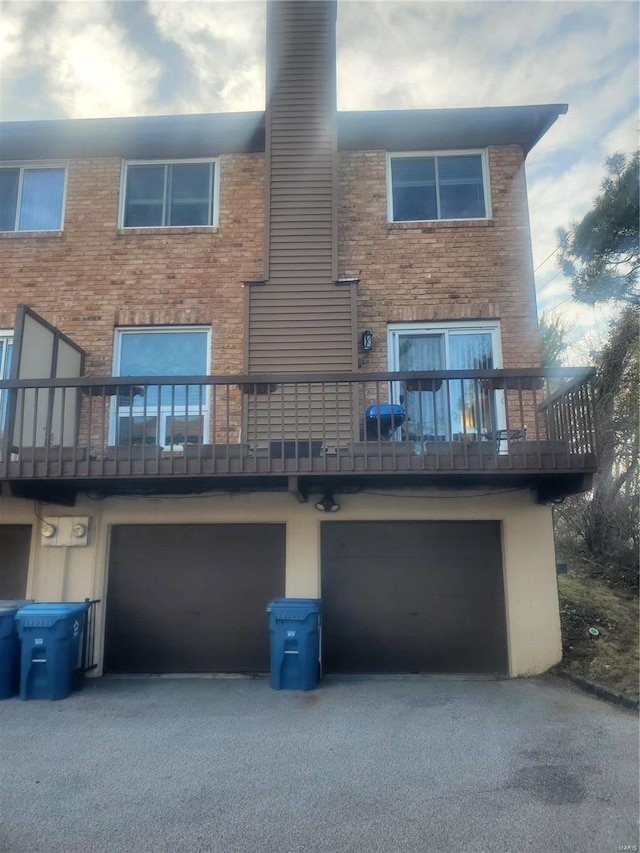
[(545, 465)]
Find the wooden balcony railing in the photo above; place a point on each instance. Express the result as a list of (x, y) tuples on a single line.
[(94, 428)]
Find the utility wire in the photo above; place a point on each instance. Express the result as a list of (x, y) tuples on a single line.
[(553, 278), (553, 307), (542, 263)]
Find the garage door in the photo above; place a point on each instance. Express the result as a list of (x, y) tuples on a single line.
[(191, 598), (15, 541), (413, 597)]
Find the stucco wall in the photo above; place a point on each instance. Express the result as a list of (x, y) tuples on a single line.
[(533, 625)]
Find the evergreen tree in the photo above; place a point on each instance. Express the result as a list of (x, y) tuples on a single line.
[(601, 254)]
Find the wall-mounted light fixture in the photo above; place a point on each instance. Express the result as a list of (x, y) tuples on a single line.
[(367, 340), (327, 504)]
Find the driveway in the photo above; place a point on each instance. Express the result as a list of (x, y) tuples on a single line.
[(400, 765)]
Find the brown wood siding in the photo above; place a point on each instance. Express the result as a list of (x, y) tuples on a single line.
[(301, 142), (300, 319)]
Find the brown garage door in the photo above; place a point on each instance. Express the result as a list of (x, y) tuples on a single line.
[(413, 597), (191, 598), (15, 541)]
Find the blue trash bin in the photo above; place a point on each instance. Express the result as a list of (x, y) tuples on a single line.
[(9, 651), (294, 624), (51, 649), (10, 646)]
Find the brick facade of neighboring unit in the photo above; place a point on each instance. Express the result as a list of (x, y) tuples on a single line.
[(440, 270), (92, 277)]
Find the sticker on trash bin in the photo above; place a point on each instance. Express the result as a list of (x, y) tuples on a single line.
[(76, 628), (291, 633), (39, 641)]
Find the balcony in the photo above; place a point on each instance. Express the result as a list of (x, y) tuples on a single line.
[(527, 428)]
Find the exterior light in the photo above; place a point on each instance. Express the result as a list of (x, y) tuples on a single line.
[(367, 340), (327, 504)]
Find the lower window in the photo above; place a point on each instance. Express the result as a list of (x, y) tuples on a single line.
[(165, 413)]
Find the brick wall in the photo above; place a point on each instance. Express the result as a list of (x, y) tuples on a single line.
[(442, 270), (91, 278)]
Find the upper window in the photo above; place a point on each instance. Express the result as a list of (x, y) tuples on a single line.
[(166, 195), (437, 186), (31, 198)]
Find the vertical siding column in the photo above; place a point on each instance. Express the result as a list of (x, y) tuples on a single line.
[(300, 320)]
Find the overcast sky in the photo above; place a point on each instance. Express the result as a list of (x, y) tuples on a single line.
[(145, 57)]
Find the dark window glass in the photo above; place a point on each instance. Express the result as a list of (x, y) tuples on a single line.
[(428, 188), (190, 194), (414, 189), (144, 196), (461, 190), (171, 195), (9, 179)]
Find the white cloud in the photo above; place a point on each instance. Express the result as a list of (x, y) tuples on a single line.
[(470, 54), (223, 44), (12, 36), (83, 56), (624, 136), (94, 71)]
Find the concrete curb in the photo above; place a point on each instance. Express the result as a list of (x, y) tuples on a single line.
[(597, 690)]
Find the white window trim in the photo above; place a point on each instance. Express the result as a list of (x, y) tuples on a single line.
[(6, 336), (38, 164), (123, 330), (215, 189), (393, 155), (439, 327), (443, 327)]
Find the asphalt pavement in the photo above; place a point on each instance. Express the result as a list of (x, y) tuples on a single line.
[(400, 765)]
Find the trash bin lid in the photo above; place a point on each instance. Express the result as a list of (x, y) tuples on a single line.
[(59, 607), (45, 614), (294, 608)]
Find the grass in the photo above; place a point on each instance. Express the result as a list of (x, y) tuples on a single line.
[(611, 658)]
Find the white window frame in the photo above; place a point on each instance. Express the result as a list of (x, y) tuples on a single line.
[(486, 187), (163, 411), (214, 189), (6, 337), (32, 165), (445, 327)]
